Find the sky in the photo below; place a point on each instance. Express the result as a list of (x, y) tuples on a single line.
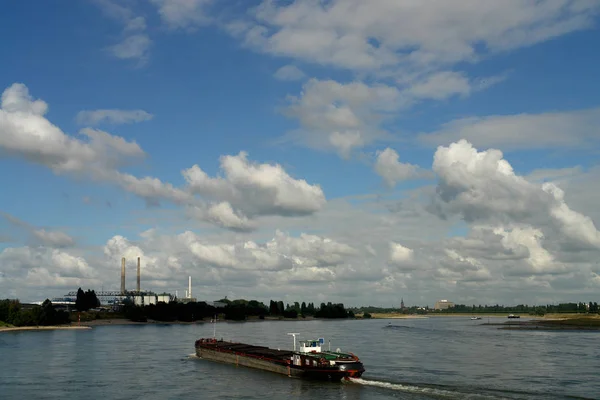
[(309, 150)]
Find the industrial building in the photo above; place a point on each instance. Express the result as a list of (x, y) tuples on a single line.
[(443, 305), (138, 296)]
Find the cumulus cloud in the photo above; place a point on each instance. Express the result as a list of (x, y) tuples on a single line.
[(344, 117), (413, 48), (247, 189), (402, 257), (389, 167), (482, 186), (283, 259), (341, 117), (25, 132), (256, 189), (45, 268)]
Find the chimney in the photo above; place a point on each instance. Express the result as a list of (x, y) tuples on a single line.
[(138, 276), (123, 275), (190, 287)]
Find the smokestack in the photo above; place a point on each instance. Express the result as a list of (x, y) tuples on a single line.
[(123, 275), (138, 276), (190, 287)]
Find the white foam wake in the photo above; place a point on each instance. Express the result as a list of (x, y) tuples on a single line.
[(434, 392)]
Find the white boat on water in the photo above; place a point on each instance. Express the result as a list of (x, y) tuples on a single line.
[(474, 318)]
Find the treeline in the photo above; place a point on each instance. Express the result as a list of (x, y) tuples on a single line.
[(578, 308), (236, 310), (86, 300), (12, 312)]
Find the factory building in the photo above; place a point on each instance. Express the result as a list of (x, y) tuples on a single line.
[(443, 305)]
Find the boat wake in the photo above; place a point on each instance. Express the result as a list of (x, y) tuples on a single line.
[(390, 326), (423, 390)]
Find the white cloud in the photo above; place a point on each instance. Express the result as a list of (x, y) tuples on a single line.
[(441, 85), (112, 116), (341, 117), (482, 186), (403, 258), (25, 132), (135, 44), (389, 167), (409, 49), (355, 35), (54, 238), (289, 73), (133, 47), (367, 255), (40, 236), (256, 189), (184, 14), (347, 116), (248, 189), (34, 268), (569, 129)]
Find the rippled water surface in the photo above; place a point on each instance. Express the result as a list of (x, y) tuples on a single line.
[(433, 358)]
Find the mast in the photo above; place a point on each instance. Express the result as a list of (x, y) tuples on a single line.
[(215, 328), (294, 335)]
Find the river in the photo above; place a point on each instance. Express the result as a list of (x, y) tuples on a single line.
[(432, 358)]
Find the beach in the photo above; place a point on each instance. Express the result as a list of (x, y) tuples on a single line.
[(40, 328)]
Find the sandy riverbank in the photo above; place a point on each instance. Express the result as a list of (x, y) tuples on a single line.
[(41, 328), (417, 316), (123, 321)]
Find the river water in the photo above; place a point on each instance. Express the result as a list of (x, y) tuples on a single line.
[(432, 358)]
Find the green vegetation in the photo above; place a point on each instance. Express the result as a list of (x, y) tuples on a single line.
[(538, 310), (12, 312), (86, 300), (235, 310), (562, 308)]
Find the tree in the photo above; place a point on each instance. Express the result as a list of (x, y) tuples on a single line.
[(303, 309), (80, 302)]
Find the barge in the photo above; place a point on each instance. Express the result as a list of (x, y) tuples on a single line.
[(310, 361)]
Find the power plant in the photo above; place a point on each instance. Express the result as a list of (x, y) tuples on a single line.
[(138, 297)]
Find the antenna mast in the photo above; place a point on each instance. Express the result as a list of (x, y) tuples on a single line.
[(294, 335), (215, 328)]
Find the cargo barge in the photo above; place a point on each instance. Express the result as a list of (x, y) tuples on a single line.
[(309, 362)]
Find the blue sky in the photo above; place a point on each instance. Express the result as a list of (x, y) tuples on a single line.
[(206, 78)]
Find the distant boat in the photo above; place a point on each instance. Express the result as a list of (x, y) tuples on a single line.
[(475, 318), (513, 316)]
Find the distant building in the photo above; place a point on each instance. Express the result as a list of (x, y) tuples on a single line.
[(147, 298), (401, 303), (443, 305)]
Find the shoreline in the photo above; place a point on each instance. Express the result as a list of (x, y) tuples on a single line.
[(42, 328)]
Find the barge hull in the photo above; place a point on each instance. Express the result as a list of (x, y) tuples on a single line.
[(269, 365), (311, 365), (246, 361)]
